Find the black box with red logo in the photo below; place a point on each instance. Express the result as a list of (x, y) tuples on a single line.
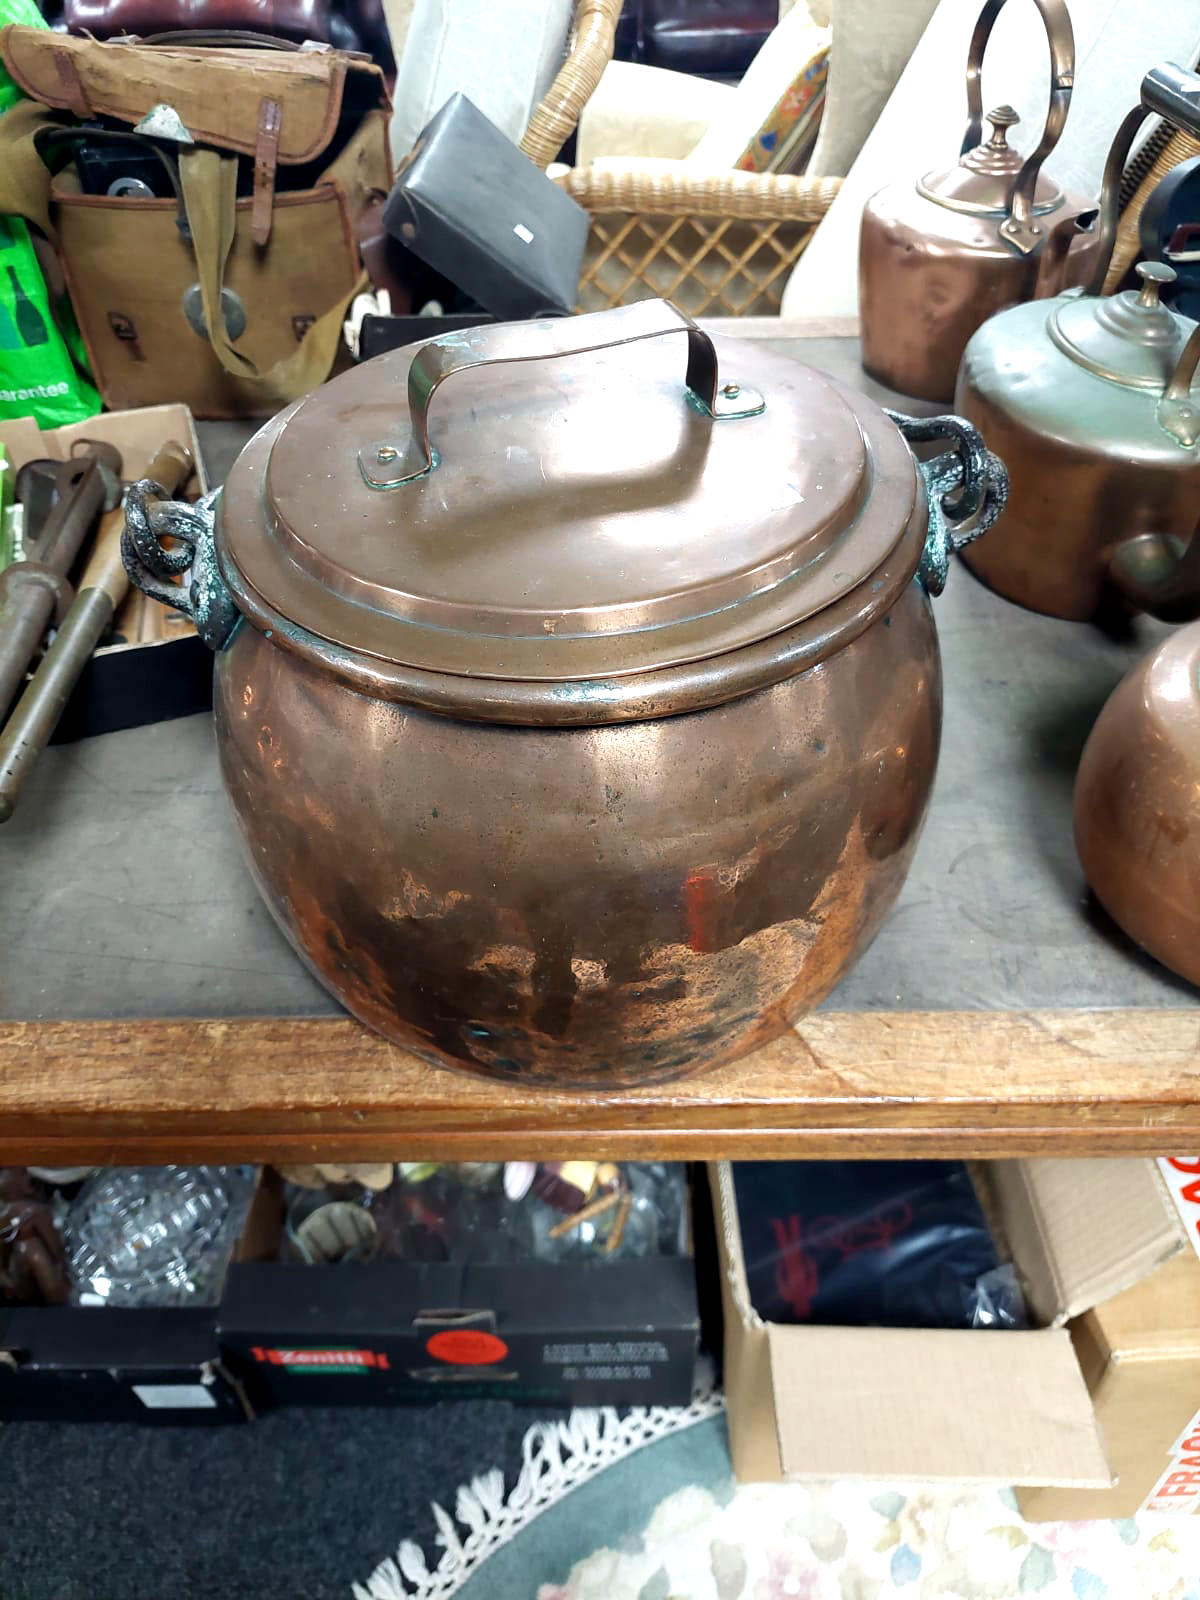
[(621, 1332)]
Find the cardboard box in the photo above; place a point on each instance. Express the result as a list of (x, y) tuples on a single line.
[(971, 1406), (162, 670), (1140, 1355), (116, 1364), (390, 1332)]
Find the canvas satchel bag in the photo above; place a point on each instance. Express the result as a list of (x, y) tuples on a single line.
[(228, 295)]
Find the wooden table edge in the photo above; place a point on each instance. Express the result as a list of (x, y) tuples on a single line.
[(1108, 1082), (783, 327)]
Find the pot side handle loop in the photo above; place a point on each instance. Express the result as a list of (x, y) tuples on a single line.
[(388, 463), (1019, 228), (150, 517), (966, 488)]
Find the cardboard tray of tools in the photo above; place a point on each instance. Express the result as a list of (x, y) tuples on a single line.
[(967, 1405), (156, 668)]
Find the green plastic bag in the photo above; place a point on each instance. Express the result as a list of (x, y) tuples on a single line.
[(42, 366), (38, 377), (26, 12)]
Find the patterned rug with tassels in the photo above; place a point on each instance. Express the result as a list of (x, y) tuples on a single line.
[(643, 1507)]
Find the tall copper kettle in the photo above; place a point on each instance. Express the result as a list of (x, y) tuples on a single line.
[(578, 715), (1090, 401), (1137, 803), (939, 256)]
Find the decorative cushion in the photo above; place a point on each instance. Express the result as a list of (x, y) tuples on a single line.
[(647, 111), (794, 48), (502, 57), (786, 138)]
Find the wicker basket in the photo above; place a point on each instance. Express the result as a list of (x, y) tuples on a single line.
[(715, 245), (1167, 154)]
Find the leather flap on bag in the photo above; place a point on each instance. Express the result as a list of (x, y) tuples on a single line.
[(218, 93)]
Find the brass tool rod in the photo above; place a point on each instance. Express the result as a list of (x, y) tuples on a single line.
[(102, 589), (27, 594)]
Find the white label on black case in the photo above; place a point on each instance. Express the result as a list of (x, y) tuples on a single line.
[(175, 1396)]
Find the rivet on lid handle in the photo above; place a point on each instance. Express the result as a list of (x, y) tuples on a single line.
[(387, 464)]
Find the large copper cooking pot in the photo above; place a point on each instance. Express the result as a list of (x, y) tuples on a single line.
[(580, 716), (940, 255)]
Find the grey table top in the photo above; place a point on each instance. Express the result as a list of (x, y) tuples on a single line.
[(105, 914)]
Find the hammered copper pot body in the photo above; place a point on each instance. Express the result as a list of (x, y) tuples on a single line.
[(593, 747), (1137, 804), (596, 906), (928, 278)]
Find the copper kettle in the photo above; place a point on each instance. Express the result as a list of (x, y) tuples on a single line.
[(938, 257), (1089, 400), (1137, 803)]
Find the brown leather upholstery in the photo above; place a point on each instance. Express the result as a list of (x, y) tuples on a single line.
[(708, 38)]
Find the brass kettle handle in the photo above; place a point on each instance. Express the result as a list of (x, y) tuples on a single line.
[(388, 463), (1178, 413), (1019, 228), (1169, 92)]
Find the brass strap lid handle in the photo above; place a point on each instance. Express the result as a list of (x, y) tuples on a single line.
[(1019, 228), (388, 463), (1169, 92)]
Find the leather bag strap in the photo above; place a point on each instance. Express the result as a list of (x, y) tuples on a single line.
[(210, 194)]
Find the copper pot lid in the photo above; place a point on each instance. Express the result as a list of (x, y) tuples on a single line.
[(981, 183), (1129, 338), (585, 509)]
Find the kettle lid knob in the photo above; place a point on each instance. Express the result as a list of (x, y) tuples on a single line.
[(1155, 275), (1002, 119)]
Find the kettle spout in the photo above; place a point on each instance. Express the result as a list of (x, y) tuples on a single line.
[(1069, 253)]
